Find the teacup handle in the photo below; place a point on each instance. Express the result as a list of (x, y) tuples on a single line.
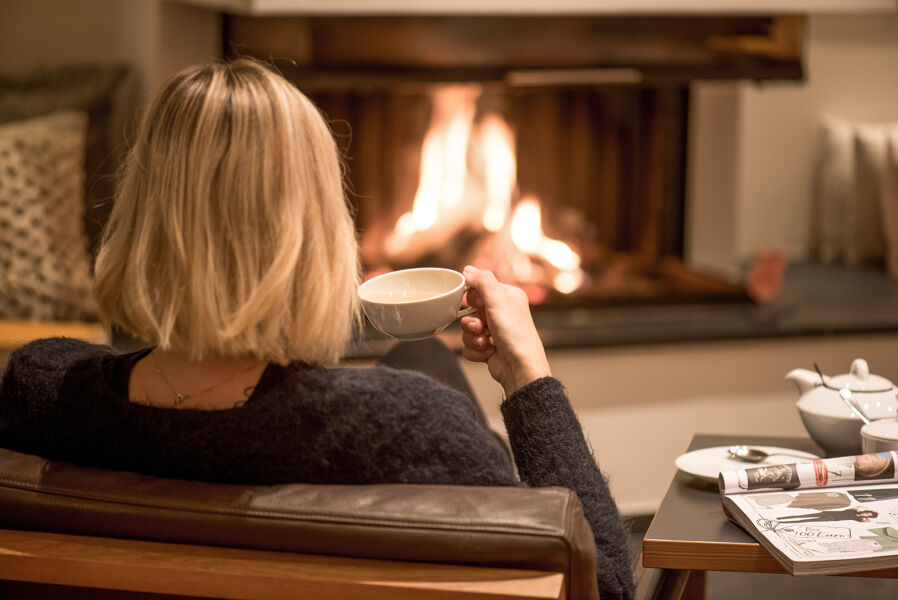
[(466, 311)]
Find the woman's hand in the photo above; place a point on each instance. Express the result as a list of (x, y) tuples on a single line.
[(501, 333)]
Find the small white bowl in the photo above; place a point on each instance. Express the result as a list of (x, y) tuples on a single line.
[(879, 436)]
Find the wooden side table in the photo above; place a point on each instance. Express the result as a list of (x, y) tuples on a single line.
[(691, 533)]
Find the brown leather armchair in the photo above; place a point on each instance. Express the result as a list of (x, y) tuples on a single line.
[(68, 531)]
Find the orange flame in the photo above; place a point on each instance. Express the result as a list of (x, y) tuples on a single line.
[(467, 169), (443, 171), (528, 236), (500, 173)]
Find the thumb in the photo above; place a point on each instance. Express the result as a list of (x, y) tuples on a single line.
[(481, 280)]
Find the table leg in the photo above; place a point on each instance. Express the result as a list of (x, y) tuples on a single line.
[(695, 586), (669, 584)]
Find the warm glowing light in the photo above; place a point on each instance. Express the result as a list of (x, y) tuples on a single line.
[(444, 154), (468, 175), (568, 281), (560, 255), (527, 235), (500, 174), (521, 266), (402, 233), (405, 226), (455, 153), (526, 226)]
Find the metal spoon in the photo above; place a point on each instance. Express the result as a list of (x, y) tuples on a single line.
[(848, 398), (755, 455)]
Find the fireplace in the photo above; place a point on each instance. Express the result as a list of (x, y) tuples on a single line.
[(551, 150)]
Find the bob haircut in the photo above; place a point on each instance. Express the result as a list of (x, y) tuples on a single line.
[(230, 234)]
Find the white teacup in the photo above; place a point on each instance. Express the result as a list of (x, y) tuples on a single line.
[(413, 304), (879, 436)]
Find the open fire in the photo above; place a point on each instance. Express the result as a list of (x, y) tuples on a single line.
[(594, 237), (467, 189)]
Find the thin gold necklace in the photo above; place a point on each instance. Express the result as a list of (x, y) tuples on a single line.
[(180, 398)]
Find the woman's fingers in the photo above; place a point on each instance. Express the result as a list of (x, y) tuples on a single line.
[(503, 326), (473, 324), (479, 341), (478, 355), (478, 346), (473, 298)]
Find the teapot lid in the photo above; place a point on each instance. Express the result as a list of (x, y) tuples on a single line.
[(859, 379)]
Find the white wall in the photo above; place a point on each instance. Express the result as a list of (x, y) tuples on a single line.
[(155, 37), (640, 406), (158, 38), (764, 195)]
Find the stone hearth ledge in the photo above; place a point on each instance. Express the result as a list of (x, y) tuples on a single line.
[(816, 299)]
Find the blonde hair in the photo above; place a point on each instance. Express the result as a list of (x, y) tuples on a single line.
[(230, 233)]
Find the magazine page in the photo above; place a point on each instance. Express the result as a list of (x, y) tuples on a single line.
[(836, 523), (862, 469)]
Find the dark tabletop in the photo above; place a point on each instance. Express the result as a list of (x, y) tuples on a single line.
[(691, 517)]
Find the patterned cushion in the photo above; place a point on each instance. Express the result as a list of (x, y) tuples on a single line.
[(44, 264), (834, 188), (870, 144), (856, 203), (890, 203), (100, 91)]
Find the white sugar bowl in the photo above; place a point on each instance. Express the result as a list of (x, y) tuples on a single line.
[(879, 436)]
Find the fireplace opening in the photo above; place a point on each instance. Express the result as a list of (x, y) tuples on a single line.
[(576, 194), (552, 151)]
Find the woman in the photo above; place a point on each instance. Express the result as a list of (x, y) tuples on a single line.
[(231, 252)]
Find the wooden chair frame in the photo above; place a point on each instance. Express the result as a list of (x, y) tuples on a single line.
[(179, 569)]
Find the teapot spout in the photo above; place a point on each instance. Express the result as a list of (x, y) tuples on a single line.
[(804, 379)]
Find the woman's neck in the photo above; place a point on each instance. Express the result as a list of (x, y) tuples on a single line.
[(170, 379)]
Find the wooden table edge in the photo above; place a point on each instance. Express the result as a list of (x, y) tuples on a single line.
[(708, 556)]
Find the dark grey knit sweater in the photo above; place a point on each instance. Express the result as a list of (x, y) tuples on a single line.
[(68, 400)]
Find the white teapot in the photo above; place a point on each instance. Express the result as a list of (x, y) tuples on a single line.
[(834, 409)]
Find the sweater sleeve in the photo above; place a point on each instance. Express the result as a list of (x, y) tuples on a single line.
[(426, 432), (29, 391), (15, 418), (550, 450)]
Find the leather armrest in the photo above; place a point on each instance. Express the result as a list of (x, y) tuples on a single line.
[(538, 528)]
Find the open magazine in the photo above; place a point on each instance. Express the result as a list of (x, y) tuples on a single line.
[(828, 516)]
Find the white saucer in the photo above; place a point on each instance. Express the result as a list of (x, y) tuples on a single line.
[(707, 463)]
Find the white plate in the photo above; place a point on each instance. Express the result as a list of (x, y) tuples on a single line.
[(707, 463)]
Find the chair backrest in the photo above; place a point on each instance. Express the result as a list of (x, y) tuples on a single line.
[(536, 529)]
